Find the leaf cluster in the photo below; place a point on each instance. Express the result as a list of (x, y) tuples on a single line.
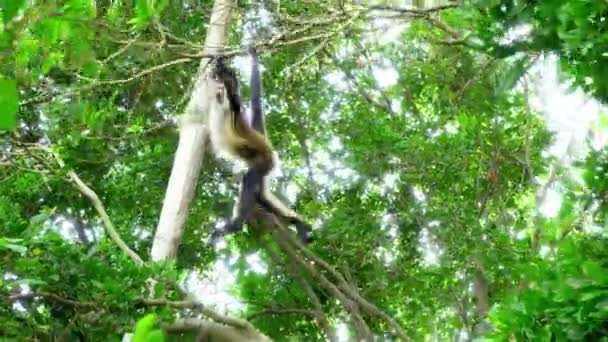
[(574, 30), (567, 298)]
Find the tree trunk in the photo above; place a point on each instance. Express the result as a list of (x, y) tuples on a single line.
[(191, 146)]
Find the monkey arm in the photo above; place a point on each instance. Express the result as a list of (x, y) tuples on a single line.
[(257, 121), (226, 77)]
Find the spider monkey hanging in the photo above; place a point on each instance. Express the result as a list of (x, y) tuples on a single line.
[(231, 133)]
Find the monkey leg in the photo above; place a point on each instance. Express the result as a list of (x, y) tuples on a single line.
[(302, 228), (304, 231), (250, 187)]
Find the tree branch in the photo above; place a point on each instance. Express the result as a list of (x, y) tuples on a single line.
[(136, 76), (444, 27), (276, 312), (196, 305), (318, 308), (350, 290), (385, 98), (212, 331), (318, 313), (283, 239), (55, 298), (105, 218), (411, 11), (353, 80)]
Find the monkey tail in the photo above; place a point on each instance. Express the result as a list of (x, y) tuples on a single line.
[(252, 49)]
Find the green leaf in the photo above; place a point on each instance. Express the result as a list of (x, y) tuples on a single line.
[(10, 8), (39, 219), (98, 284), (595, 272), (593, 294), (9, 104), (602, 306), (156, 335), (28, 281), (5, 40), (143, 14), (11, 245), (135, 128), (26, 49), (80, 8), (603, 119), (143, 327), (91, 69), (146, 11), (507, 81)]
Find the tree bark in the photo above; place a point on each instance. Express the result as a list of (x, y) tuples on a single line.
[(191, 146)]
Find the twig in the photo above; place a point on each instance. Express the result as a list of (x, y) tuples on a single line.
[(310, 22), (274, 43), (124, 48), (105, 218), (308, 162), (323, 43), (141, 73), (184, 41)]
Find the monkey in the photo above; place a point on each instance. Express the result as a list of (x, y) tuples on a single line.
[(231, 133)]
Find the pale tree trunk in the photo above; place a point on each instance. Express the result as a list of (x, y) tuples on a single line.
[(192, 140), (191, 146)]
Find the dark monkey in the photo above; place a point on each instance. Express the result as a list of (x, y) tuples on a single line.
[(231, 133)]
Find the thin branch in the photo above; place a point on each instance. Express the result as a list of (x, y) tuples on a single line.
[(308, 162), (339, 29), (310, 22), (272, 44), (165, 31), (196, 305), (308, 56), (445, 28), (411, 11), (53, 297), (154, 44), (318, 308), (105, 218), (121, 50), (387, 101), (303, 280), (350, 290), (282, 238), (363, 93), (277, 312), (139, 74)]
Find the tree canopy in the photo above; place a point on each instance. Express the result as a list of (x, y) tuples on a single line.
[(406, 134)]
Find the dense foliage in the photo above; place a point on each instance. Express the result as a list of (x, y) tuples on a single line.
[(410, 149), (575, 30), (566, 300)]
